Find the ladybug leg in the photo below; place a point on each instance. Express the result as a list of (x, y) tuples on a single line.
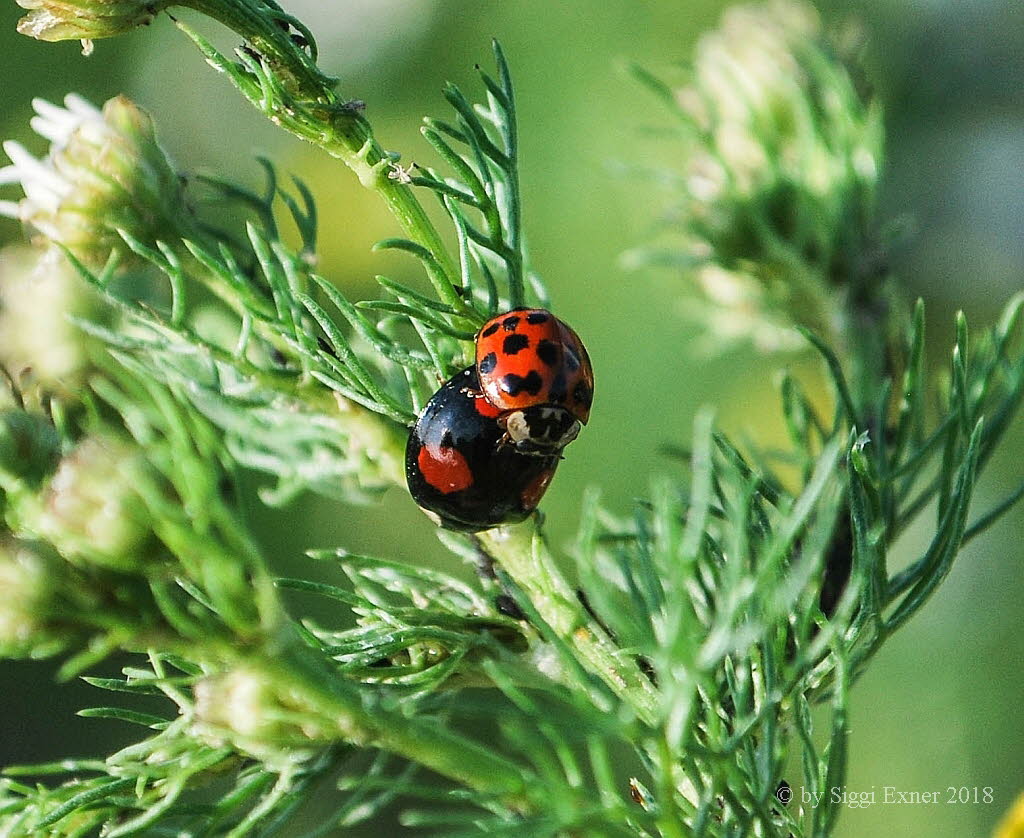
[(505, 440)]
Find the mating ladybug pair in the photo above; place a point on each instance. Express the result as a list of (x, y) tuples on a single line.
[(487, 444)]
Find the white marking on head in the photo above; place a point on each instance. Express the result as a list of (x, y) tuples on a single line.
[(517, 426)]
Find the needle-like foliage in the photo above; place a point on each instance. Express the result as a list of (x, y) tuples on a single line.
[(704, 666)]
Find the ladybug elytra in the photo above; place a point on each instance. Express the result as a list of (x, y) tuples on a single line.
[(536, 371)]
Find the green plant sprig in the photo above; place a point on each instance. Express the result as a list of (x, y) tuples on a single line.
[(268, 308), (710, 651), (305, 103), (486, 171)]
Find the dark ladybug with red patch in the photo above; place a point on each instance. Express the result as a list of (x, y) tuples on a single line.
[(536, 371), (460, 467)]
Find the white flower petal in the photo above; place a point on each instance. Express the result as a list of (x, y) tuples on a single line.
[(47, 109), (57, 124), (10, 174), (39, 197), (33, 171), (82, 107), (47, 229), (55, 132), (9, 209), (53, 115)]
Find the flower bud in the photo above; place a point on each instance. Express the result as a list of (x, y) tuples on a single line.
[(780, 178), (68, 20), (243, 706), (29, 594), (776, 105), (91, 510), (39, 294), (739, 309), (22, 579), (105, 172)]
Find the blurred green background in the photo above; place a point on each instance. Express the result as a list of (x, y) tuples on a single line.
[(940, 706)]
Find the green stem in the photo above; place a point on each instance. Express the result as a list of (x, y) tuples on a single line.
[(317, 114), (312, 110), (524, 555), (351, 141), (253, 21), (370, 724)]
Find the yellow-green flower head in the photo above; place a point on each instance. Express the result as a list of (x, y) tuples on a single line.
[(40, 293), (779, 182), (23, 581), (68, 20), (783, 132), (28, 579), (91, 510), (105, 171), (244, 707)]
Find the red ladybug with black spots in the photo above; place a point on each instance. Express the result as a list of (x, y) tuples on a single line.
[(536, 371), (461, 470)]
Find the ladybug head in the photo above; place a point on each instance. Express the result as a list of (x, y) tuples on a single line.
[(541, 429)]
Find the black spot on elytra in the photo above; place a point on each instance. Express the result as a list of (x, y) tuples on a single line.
[(547, 351), (535, 317), (572, 358), (515, 384), (514, 344), (490, 330), (558, 388), (509, 323), (488, 363), (582, 394)]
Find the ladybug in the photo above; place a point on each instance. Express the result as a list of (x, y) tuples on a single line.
[(459, 468), (536, 371)]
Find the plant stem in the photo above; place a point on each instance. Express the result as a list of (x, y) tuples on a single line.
[(310, 108), (317, 114), (351, 141), (524, 555), (522, 552), (288, 661)]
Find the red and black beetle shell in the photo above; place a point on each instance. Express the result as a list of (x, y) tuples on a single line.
[(528, 357), (460, 468)]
